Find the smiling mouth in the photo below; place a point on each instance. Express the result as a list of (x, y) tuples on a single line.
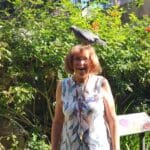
[(81, 69)]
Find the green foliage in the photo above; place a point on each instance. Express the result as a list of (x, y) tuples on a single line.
[(18, 95), (126, 143), (34, 38), (15, 142), (35, 143)]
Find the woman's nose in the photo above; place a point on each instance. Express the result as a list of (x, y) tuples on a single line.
[(82, 61)]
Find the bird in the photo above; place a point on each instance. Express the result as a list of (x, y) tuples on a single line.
[(86, 37)]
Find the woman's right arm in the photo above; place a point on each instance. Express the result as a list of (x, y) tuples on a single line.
[(57, 123)]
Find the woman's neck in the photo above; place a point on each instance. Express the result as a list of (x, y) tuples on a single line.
[(80, 80)]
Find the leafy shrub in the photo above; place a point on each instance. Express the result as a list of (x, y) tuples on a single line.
[(35, 143), (34, 38)]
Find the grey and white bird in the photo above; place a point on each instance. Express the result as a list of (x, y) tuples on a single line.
[(86, 36)]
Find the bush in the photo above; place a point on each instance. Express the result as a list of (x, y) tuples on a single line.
[(35, 143), (34, 38)]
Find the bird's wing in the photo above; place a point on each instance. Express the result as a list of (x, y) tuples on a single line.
[(79, 35), (91, 37), (88, 35)]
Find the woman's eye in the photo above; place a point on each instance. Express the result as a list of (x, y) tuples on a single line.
[(80, 59)]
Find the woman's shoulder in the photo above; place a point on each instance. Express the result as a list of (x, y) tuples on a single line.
[(98, 77), (66, 80)]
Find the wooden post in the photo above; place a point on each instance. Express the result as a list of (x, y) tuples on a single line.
[(142, 141)]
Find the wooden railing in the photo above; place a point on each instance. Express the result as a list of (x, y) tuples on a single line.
[(136, 123)]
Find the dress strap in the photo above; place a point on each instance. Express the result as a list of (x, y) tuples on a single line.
[(98, 83), (66, 86), (63, 87)]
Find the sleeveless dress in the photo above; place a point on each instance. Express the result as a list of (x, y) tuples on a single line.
[(84, 125)]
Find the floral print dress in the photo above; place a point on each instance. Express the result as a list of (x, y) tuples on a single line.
[(84, 125)]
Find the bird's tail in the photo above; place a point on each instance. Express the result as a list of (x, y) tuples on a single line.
[(101, 42)]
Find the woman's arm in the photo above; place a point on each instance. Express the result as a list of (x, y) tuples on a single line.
[(111, 116), (57, 123)]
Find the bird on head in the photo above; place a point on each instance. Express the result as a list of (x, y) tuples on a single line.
[(86, 37)]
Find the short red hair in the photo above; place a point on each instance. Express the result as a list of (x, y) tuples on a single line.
[(95, 66)]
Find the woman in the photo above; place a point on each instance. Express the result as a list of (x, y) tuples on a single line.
[(85, 117)]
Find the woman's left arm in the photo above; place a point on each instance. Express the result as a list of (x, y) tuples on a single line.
[(111, 116)]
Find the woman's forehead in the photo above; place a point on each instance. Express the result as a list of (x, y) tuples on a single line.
[(82, 53)]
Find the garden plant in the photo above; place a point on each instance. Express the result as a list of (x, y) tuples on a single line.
[(34, 38)]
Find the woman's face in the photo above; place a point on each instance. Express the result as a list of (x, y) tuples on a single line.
[(81, 65)]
